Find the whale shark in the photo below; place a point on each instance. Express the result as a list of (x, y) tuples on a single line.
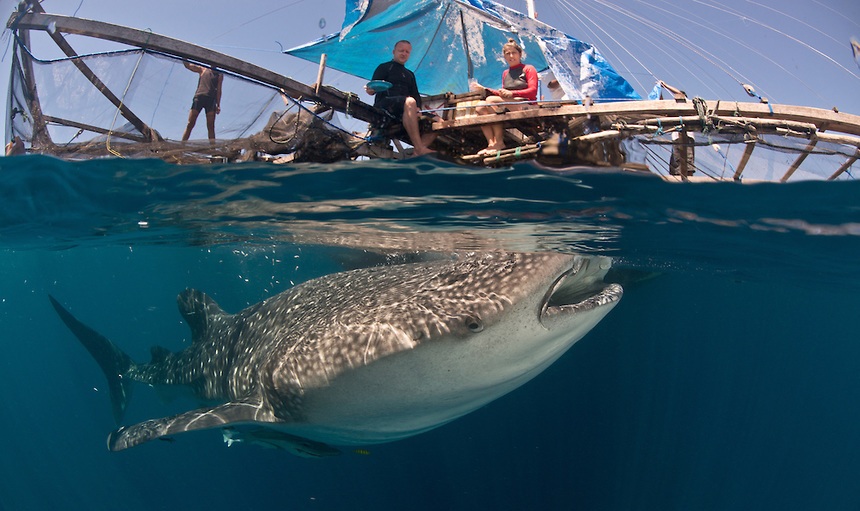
[(368, 355)]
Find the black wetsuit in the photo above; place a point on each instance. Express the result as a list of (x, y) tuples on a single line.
[(403, 84)]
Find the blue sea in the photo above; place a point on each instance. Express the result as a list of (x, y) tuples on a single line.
[(728, 377)]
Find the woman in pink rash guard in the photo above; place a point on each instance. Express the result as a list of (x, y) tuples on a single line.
[(519, 83)]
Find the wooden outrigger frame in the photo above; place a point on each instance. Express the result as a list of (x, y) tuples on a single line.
[(529, 130), (56, 26), (625, 119)]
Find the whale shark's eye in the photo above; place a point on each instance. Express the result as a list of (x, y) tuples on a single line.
[(474, 324)]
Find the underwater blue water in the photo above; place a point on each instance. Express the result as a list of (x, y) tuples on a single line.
[(727, 377)]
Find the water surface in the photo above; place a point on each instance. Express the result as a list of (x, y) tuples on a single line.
[(727, 377)]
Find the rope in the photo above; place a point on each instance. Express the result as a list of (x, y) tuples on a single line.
[(76, 57), (122, 101), (119, 108)]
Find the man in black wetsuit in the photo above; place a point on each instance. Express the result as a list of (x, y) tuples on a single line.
[(206, 97), (402, 99)]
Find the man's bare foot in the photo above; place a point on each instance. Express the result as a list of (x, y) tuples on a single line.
[(421, 151)]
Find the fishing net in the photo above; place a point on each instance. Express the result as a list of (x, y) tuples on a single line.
[(134, 102), (728, 156)]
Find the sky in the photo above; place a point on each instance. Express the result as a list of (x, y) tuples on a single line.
[(791, 51)]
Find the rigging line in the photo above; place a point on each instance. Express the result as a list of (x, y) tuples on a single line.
[(161, 95), (261, 16), (798, 20), (701, 52), (7, 37), (246, 48), (576, 15), (711, 27), (573, 11), (733, 77), (788, 36), (263, 110), (666, 33), (618, 43), (121, 102), (837, 13), (660, 30)]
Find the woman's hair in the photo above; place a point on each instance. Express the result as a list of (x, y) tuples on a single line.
[(512, 44)]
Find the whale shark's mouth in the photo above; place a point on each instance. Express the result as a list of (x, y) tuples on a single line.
[(579, 289)]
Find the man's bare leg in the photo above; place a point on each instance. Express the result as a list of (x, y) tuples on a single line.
[(192, 120), (210, 124), (410, 124)]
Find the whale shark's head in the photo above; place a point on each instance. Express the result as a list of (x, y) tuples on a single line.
[(432, 342), (520, 311)]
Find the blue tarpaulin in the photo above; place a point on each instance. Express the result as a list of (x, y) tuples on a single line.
[(455, 40)]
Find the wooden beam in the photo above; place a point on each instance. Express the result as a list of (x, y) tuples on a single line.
[(809, 147), (41, 136), (835, 121), (85, 70), (744, 159), (850, 161), (684, 150), (95, 129)]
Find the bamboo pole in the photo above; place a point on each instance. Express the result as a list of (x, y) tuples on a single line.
[(809, 147), (850, 161), (744, 159)]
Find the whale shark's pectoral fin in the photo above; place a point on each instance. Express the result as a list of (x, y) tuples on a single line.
[(251, 410)]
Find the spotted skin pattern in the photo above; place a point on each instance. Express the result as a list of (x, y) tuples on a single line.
[(263, 362)]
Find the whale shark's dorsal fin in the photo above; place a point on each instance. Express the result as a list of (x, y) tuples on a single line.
[(198, 309), (159, 354)]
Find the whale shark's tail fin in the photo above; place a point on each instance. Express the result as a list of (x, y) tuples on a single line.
[(113, 361)]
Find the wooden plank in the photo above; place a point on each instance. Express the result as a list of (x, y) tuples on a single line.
[(684, 150), (835, 121), (744, 160), (809, 147), (845, 166), (95, 129), (148, 40)]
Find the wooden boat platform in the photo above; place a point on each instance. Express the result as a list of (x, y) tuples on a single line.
[(670, 138)]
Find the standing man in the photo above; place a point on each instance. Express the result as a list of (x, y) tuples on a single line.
[(207, 97), (402, 100)]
